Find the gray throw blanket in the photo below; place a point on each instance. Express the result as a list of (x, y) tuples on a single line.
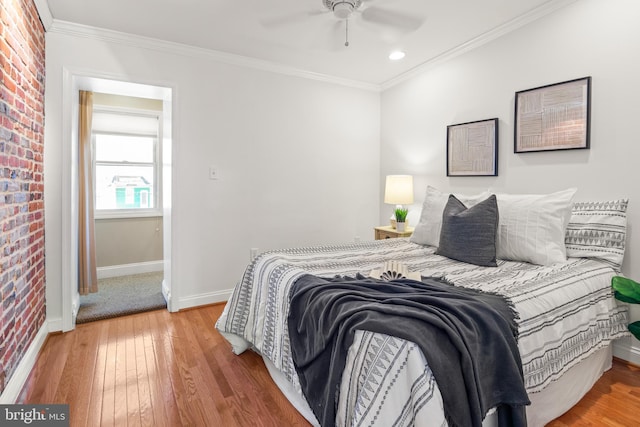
[(468, 338)]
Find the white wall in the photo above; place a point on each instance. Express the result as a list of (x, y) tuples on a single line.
[(298, 159), (587, 38)]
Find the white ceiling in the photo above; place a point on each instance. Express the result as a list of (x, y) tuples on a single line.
[(303, 35)]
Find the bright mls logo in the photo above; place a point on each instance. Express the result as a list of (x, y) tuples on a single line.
[(34, 415)]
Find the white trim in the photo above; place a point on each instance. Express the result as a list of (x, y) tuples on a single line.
[(75, 307), (69, 199), (13, 388), (129, 269), (45, 13), (170, 226), (204, 299), (55, 325), (627, 349), (166, 293), (110, 36), (520, 21)]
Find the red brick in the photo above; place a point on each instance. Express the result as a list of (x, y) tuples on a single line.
[(22, 58), (9, 83), (4, 49)]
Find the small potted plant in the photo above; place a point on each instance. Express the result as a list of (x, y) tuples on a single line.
[(627, 290), (401, 218)]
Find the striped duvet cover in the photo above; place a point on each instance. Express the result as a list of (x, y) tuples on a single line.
[(566, 312)]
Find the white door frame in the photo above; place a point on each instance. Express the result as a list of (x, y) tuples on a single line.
[(73, 82)]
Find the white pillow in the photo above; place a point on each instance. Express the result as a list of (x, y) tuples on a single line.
[(427, 232), (598, 230), (532, 227)]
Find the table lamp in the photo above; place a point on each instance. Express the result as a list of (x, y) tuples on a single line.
[(398, 190)]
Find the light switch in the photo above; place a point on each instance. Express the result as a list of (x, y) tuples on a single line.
[(213, 172)]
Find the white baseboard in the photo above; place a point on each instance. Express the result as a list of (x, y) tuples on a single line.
[(204, 299), (627, 349), (55, 325), (128, 269), (13, 388)]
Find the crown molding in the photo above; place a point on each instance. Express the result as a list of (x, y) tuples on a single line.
[(110, 36), (45, 13), (78, 30), (499, 31)]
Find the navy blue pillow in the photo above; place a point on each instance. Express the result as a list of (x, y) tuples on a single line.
[(469, 235)]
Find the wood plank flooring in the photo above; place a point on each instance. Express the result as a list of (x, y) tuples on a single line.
[(162, 369)]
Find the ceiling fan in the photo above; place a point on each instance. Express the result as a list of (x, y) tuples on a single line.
[(358, 10)]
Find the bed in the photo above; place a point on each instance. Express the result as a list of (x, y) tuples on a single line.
[(567, 322)]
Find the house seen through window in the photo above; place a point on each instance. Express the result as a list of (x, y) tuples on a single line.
[(126, 164)]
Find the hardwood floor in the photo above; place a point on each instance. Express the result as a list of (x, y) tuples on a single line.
[(613, 401), (162, 369)]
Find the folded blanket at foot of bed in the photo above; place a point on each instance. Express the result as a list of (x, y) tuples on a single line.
[(469, 339)]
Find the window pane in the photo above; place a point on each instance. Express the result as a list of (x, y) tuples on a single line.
[(117, 148), (124, 187)]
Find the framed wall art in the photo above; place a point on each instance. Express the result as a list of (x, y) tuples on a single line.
[(472, 148), (553, 117)]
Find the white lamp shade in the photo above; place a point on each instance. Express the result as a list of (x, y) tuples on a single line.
[(398, 190)]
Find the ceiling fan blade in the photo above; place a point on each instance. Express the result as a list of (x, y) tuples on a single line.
[(289, 19), (399, 20)]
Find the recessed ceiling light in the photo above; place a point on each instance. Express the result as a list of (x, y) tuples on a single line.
[(398, 54)]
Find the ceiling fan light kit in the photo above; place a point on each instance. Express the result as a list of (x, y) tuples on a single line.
[(342, 9)]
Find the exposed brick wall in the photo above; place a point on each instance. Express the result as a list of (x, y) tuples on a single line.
[(22, 281)]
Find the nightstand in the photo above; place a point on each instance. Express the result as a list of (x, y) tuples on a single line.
[(386, 232)]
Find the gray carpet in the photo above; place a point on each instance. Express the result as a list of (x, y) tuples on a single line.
[(119, 296)]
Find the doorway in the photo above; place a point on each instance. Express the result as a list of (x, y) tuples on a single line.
[(74, 83), (126, 167)]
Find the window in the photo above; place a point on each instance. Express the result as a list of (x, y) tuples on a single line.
[(126, 164)]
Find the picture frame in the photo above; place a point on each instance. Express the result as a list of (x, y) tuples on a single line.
[(472, 148), (553, 117)]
